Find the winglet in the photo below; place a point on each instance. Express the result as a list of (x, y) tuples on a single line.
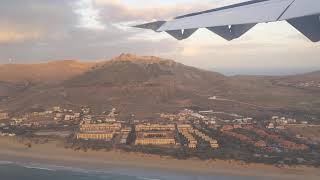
[(153, 25)]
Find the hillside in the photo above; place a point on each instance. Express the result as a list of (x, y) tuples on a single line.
[(133, 84), (7, 90), (142, 85), (265, 91), (148, 85), (131, 70), (52, 72), (313, 76), (308, 81)]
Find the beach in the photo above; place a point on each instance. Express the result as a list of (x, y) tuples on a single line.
[(54, 153)]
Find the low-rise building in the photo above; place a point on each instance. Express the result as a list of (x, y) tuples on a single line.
[(125, 134), (57, 109), (95, 136), (7, 134), (124, 138), (171, 117), (184, 130), (155, 127), (213, 143), (192, 145), (280, 127), (184, 126), (126, 130), (103, 131), (260, 144), (4, 115), (227, 128), (155, 138), (85, 110), (59, 115), (69, 117), (100, 127), (270, 126), (77, 115)]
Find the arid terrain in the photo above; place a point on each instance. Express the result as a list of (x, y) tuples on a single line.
[(147, 85)]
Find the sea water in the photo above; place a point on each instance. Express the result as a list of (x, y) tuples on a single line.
[(20, 171)]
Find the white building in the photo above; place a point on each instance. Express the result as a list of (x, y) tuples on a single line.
[(4, 115)]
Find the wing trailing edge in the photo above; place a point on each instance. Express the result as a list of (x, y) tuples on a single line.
[(231, 22)]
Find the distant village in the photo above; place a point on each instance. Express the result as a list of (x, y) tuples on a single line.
[(202, 130), (301, 84)]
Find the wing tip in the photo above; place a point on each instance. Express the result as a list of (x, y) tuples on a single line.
[(152, 25)]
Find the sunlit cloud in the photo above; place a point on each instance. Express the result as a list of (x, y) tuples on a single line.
[(89, 15), (16, 36), (42, 30)]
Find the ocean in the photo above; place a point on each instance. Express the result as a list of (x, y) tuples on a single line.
[(21, 171)]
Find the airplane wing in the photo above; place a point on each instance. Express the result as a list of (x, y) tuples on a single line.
[(231, 22)]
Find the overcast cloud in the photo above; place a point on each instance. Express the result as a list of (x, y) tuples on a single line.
[(43, 30)]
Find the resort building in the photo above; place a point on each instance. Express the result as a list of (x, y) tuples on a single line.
[(4, 115), (124, 138), (184, 130), (155, 138), (155, 127), (100, 127), (184, 126), (125, 134), (96, 136), (213, 143), (104, 131)]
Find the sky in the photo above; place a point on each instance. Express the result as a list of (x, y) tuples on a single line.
[(34, 31)]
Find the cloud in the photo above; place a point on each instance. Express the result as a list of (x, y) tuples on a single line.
[(34, 20), (42, 30), (119, 11), (14, 35), (89, 16)]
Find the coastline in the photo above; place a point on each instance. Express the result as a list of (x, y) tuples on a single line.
[(54, 153)]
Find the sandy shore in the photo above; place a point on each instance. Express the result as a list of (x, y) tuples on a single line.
[(54, 153)]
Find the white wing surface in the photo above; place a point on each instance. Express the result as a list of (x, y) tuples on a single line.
[(231, 22)]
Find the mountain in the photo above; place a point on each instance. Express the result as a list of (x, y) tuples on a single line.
[(51, 72), (132, 84), (131, 70), (142, 84), (147, 85)]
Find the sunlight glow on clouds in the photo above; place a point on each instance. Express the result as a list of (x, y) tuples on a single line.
[(42, 30), (14, 35), (89, 15)]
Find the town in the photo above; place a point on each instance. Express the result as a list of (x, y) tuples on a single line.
[(314, 85), (187, 133)]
